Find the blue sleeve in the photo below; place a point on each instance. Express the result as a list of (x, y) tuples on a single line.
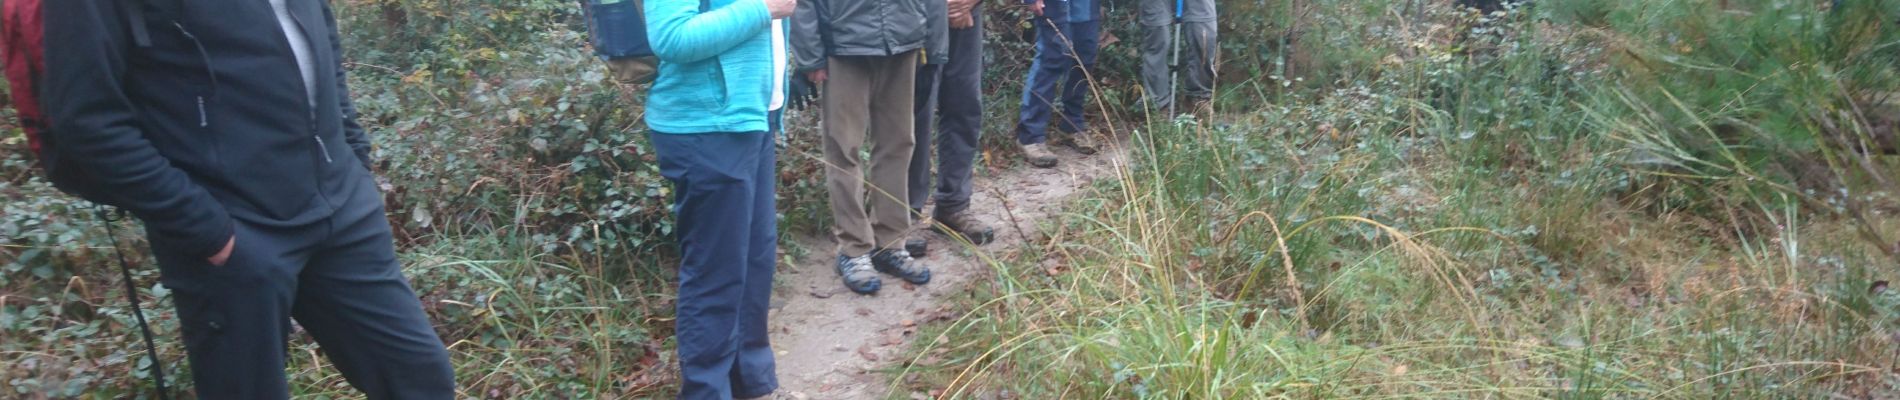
[(679, 32)]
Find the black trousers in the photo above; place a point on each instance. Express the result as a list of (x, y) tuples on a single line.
[(953, 91), (339, 278)]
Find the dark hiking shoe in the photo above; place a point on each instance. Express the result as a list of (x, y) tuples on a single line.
[(859, 274), (1038, 155), (899, 264), (917, 247), (962, 224)]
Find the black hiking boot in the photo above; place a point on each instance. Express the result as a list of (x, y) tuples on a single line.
[(919, 247)]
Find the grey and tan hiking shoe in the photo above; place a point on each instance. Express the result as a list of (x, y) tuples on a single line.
[(963, 224), (859, 274), (898, 263), (1038, 155), (1082, 142)]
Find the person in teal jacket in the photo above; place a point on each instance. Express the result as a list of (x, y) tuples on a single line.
[(709, 114)]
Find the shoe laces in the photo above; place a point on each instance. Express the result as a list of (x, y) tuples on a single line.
[(900, 258), (859, 267)]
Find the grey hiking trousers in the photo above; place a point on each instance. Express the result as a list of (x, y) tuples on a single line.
[(1200, 34)]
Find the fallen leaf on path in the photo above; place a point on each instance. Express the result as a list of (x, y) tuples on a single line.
[(867, 354), (908, 323), (864, 312)]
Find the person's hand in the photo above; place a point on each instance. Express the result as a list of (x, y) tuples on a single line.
[(218, 260), (817, 77), (1036, 7), (961, 7), (802, 93), (962, 22), (781, 8)]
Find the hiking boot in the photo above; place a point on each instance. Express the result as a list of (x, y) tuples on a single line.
[(963, 224), (1082, 142), (1202, 109), (859, 274), (1038, 155), (917, 247), (899, 264)]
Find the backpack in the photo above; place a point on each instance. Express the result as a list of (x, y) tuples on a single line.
[(23, 53), (618, 31), (22, 48)]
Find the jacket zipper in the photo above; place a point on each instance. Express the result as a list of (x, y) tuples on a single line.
[(311, 105), (323, 148), (204, 117)]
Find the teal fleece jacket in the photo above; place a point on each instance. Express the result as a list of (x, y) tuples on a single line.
[(715, 66)]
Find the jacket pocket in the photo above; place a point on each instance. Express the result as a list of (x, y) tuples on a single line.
[(717, 73)]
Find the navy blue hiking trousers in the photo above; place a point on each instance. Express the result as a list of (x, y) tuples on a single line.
[(338, 277), (723, 187), (1065, 53)]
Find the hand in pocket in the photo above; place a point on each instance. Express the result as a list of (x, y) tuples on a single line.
[(218, 260)]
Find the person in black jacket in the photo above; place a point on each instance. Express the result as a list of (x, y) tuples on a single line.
[(226, 126)]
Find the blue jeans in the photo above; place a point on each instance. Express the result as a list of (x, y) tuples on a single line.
[(1065, 52), (723, 187)]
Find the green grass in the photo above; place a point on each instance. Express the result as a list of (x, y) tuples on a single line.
[(1583, 200), (1461, 223)]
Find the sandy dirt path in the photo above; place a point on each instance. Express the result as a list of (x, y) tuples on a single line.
[(831, 342)]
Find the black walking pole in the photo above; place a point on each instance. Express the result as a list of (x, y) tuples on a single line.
[(111, 217)]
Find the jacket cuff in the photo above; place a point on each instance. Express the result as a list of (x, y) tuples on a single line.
[(210, 242), (368, 164), (803, 69)]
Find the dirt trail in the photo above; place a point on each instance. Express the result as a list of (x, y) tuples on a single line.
[(831, 341)]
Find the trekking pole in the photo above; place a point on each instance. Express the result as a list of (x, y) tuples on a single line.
[(111, 218), (1174, 67)]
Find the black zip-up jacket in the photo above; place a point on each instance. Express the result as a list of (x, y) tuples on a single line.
[(208, 123)]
